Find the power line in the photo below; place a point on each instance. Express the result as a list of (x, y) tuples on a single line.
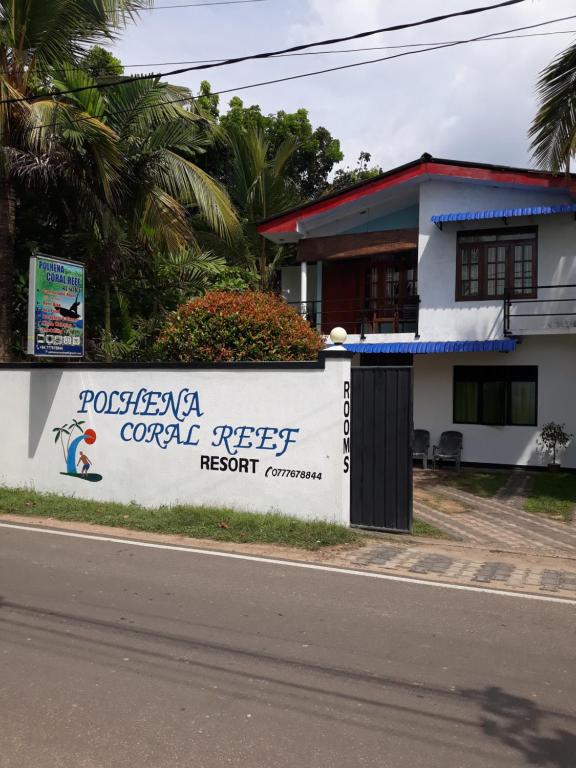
[(203, 5), (271, 54), (500, 36), (190, 98), (359, 50)]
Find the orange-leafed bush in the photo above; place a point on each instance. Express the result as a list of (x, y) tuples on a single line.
[(232, 327)]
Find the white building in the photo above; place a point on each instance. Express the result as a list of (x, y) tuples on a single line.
[(467, 272)]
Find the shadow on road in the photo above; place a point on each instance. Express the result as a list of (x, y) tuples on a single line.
[(419, 711), (520, 724)]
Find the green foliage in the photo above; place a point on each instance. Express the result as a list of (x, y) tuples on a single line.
[(179, 276), (553, 131), (554, 438), (230, 327), (208, 101), (41, 142), (127, 187), (216, 523), (101, 64), (423, 528), (260, 186), (140, 304), (363, 172), (159, 194), (316, 150), (235, 279)]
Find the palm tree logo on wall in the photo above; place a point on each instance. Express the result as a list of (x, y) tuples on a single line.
[(70, 444)]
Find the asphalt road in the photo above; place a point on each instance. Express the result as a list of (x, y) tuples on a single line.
[(117, 656)]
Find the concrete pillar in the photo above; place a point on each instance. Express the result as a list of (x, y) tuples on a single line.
[(303, 287), (319, 295)]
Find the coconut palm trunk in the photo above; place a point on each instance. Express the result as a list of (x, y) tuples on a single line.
[(107, 308), (7, 235)]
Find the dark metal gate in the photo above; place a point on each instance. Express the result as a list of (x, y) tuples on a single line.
[(381, 455)]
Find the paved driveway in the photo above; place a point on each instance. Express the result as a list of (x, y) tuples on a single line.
[(494, 523)]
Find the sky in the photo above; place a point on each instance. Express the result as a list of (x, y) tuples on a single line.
[(471, 102)]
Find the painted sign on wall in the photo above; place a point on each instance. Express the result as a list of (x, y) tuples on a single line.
[(55, 308), (267, 439)]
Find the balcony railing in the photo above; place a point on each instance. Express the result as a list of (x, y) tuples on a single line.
[(370, 316), (553, 311)]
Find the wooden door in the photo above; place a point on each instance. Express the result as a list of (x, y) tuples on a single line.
[(394, 295), (344, 294)]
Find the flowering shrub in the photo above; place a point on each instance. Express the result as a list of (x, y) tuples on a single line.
[(231, 327)]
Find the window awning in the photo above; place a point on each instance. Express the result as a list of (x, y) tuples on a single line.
[(432, 347), (504, 213)]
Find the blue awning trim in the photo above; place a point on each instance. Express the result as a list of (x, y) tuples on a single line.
[(504, 213), (433, 347)]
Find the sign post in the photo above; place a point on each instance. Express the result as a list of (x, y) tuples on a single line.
[(55, 308)]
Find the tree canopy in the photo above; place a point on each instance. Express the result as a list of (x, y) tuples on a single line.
[(100, 63), (39, 139), (346, 177), (316, 151), (158, 192)]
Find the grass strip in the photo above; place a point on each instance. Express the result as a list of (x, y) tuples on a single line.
[(422, 528), (552, 494), (217, 523)]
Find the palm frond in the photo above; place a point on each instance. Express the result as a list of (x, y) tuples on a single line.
[(161, 221), (91, 102), (283, 156), (44, 34), (137, 107), (192, 186), (94, 144), (553, 131)]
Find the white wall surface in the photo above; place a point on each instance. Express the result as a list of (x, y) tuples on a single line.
[(162, 471), (290, 283), (555, 357), (442, 318)]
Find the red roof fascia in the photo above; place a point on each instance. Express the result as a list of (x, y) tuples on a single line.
[(289, 221)]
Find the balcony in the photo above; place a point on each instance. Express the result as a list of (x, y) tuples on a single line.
[(553, 311), (362, 318)]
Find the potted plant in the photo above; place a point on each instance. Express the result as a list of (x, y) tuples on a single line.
[(554, 439)]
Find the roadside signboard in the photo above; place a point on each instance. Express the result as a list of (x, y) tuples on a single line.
[(55, 308)]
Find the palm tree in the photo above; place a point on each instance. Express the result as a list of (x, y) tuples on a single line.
[(553, 131), (186, 273), (159, 133), (36, 39), (260, 187), (59, 432), (174, 278)]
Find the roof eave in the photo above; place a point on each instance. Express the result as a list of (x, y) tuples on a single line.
[(286, 223)]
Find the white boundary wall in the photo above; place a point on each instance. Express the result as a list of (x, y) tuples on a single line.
[(234, 437)]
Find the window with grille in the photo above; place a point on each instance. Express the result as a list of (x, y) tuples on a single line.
[(493, 264)]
